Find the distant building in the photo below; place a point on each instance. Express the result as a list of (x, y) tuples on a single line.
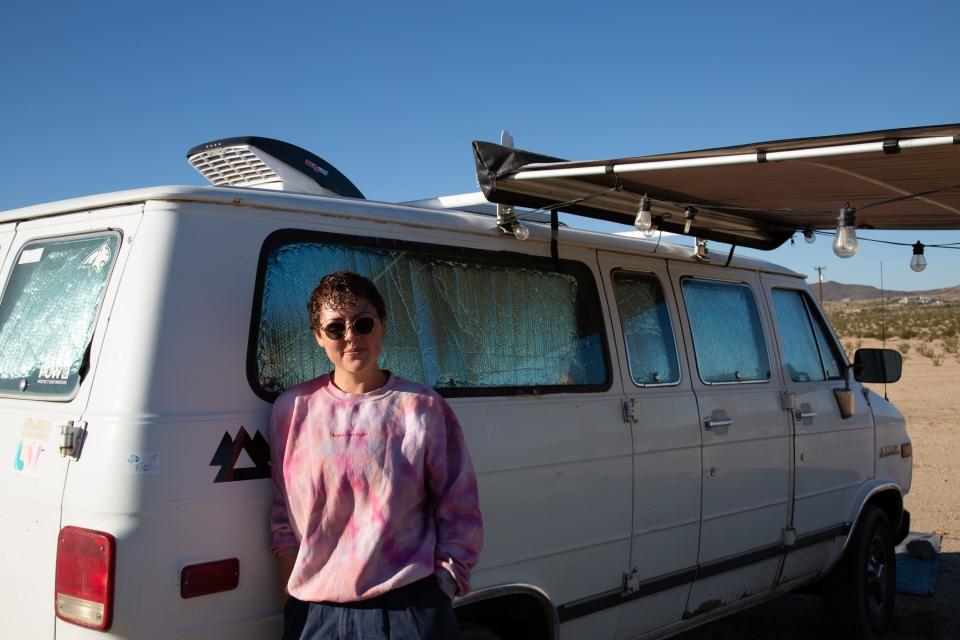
[(919, 300)]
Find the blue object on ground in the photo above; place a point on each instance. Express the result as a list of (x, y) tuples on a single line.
[(918, 560)]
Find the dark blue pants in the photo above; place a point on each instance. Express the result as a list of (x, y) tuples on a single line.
[(418, 611)]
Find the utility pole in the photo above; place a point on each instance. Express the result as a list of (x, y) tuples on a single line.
[(820, 279)]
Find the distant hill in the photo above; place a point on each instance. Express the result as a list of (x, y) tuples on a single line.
[(835, 291)]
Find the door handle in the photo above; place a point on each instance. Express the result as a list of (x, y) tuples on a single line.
[(804, 415), (713, 423)]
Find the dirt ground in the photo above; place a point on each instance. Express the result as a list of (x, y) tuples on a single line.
[(929, 397)]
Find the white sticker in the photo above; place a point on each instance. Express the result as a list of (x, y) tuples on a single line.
[(98, 259), (31, 256), (143, 463), (53, 373)]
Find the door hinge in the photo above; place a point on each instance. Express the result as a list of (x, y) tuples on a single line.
[(788, 537), (72, 436), (630, 411), (631, 581), (789, 401)]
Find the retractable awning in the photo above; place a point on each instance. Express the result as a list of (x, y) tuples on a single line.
[(755, 195)]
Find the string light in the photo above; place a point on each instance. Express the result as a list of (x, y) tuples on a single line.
[(644, 221), (688, 215), (918, 263), (845, 242), (654, 227)]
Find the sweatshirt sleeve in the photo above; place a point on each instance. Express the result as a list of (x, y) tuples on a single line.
[(452, 486), (283, 542)]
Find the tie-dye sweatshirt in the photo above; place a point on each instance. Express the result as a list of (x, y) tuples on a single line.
[(372, 491)]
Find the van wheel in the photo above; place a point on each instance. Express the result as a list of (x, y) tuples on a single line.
[(470, 631), (859, 594)]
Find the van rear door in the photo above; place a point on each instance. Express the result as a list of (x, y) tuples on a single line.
[(58, 276)]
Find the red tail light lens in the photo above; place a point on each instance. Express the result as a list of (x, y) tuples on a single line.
[(84, 584)]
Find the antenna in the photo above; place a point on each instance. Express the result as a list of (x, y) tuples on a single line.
[(883, 324)]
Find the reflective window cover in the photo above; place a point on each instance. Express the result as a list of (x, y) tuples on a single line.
[(651, 350), (452, 322), (727, 334), (48, 312)]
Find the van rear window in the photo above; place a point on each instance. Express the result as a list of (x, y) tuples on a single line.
[(48, 312), (465, 322)]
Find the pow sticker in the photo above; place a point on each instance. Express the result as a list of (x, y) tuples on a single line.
[(242, 457)]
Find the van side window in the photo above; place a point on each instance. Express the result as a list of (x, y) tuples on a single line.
[(651, 349), (727, 334), (463, 321), (48, 312), (806, 346)]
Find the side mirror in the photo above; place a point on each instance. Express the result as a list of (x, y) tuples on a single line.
[(877, 365)]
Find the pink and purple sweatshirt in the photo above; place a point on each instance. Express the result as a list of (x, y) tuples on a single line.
[(372, 491)]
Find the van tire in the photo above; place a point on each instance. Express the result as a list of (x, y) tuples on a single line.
[(470, 631), (859, 594)]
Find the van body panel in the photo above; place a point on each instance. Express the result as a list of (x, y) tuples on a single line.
[(32, 489), (7, 232), (891, 433)]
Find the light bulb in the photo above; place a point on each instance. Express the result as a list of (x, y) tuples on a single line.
[(845, 242), (644, 221), (520, 231), (918, 263), (688, 215), (809, 236)]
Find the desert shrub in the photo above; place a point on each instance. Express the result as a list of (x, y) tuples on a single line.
[(904, 348), (951, 344)]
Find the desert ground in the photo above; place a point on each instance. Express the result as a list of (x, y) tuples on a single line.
[(928, 394)]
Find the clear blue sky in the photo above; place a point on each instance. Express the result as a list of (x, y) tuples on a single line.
[(103, 96)]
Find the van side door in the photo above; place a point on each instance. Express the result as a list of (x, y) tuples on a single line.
[(833, 455), (745, 433), (661, 411), (59, 278)]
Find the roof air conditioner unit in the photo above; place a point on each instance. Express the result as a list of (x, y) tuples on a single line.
[(264, 163)]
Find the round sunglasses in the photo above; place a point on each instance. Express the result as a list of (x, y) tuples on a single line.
[(336, 330)]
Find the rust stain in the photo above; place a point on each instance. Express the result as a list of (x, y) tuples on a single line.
[(705, 607)]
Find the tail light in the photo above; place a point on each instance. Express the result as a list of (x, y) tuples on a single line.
[(84, 583)]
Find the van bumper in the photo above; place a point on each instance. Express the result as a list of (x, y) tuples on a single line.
[(904, 528)]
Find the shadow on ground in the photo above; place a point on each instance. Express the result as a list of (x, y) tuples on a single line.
[(801, 617)]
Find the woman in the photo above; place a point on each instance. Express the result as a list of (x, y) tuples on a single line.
[(375, 519)]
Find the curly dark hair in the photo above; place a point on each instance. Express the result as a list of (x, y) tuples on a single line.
[(342, 289)]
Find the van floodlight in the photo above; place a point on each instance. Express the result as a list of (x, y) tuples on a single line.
[(265, 163)]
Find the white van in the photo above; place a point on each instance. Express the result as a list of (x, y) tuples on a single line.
[(661, 439)]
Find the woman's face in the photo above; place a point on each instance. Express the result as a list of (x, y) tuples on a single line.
[(354, 354)]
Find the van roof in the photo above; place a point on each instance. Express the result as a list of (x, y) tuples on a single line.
[(451, 219)]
